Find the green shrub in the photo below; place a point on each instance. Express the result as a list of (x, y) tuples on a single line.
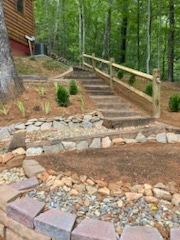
[(62, 96), (73, 88), (120, 74), (149, 89), (174, 103), (32, 58), (132, 80)]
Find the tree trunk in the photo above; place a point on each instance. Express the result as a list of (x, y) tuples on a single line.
[(138, 34), (159, 35), (148, 38), (106, 40), (124, 35), (10, 83), (171, 42)]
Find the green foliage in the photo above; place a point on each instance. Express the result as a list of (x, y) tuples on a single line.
[(73, 88), (51, 64), (32, 58), (81, 99), (41, 91), (149, 89), (62, 96), (174, 103), (21, 108), (3, 109), (47, 107), (24, 68), (132, 80), (120, 74), (56, 86)]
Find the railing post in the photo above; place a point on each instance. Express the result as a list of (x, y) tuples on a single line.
[(156, 93), (83, 60), (93, 62), (111, 72)]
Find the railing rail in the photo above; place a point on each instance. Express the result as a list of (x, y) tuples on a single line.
[(155, 78)]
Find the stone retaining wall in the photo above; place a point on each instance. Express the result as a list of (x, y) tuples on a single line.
[(98, 141), (23, 218)]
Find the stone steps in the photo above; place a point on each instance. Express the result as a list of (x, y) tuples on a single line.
[(122, 122), (117, 113)]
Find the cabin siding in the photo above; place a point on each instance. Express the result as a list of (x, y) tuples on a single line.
[(19, 25)]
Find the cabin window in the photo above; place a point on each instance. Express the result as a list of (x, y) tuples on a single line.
[(20, 6)]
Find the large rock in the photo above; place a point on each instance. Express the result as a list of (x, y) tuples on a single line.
[(171, 138), (176, 199), (141, 138), (4, 133), (133, 196), (34, 151), (69, 145), (96, 143), (106, 142), (161, 137), (162, 194)]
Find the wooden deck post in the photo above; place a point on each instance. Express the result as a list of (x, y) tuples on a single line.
[(111, 72), (93, 62), (156, 93)]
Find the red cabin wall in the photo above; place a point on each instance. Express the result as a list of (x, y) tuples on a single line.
[(18, 49)]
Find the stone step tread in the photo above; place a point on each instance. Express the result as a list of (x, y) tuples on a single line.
[(97, 86), (114, 97), (120, 111)]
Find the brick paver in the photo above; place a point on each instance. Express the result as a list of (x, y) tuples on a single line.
[(175, 234), (24, 210), (8, 194), (55, 223), (26, 184), (91, 229), (140, 233)]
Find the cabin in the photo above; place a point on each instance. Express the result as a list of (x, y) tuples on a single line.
[(19, 16)]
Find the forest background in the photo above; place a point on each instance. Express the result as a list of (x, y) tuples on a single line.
[(141, 34)]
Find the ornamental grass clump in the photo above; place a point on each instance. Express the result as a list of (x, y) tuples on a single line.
[(73, 88), (62, 96)]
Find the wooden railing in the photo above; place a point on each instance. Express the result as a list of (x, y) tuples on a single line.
[(112, 76)]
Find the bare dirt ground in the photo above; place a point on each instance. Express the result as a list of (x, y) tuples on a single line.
[(136, 163)]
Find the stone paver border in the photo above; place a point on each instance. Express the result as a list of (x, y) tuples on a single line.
[(25, 218)]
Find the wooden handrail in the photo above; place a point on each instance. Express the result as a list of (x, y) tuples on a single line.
[(155, 78)]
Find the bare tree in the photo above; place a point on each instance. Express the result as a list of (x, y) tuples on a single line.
[(10, 84)]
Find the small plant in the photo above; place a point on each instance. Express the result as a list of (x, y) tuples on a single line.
[(174, 103), (32, 58), (42, 91), (149, 89), (56, 86), (132, 80), (21, 108), (63, 113), (62, 96), (73, 88), (120, 74), (81, 99), (47, 107), (3, 109)]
